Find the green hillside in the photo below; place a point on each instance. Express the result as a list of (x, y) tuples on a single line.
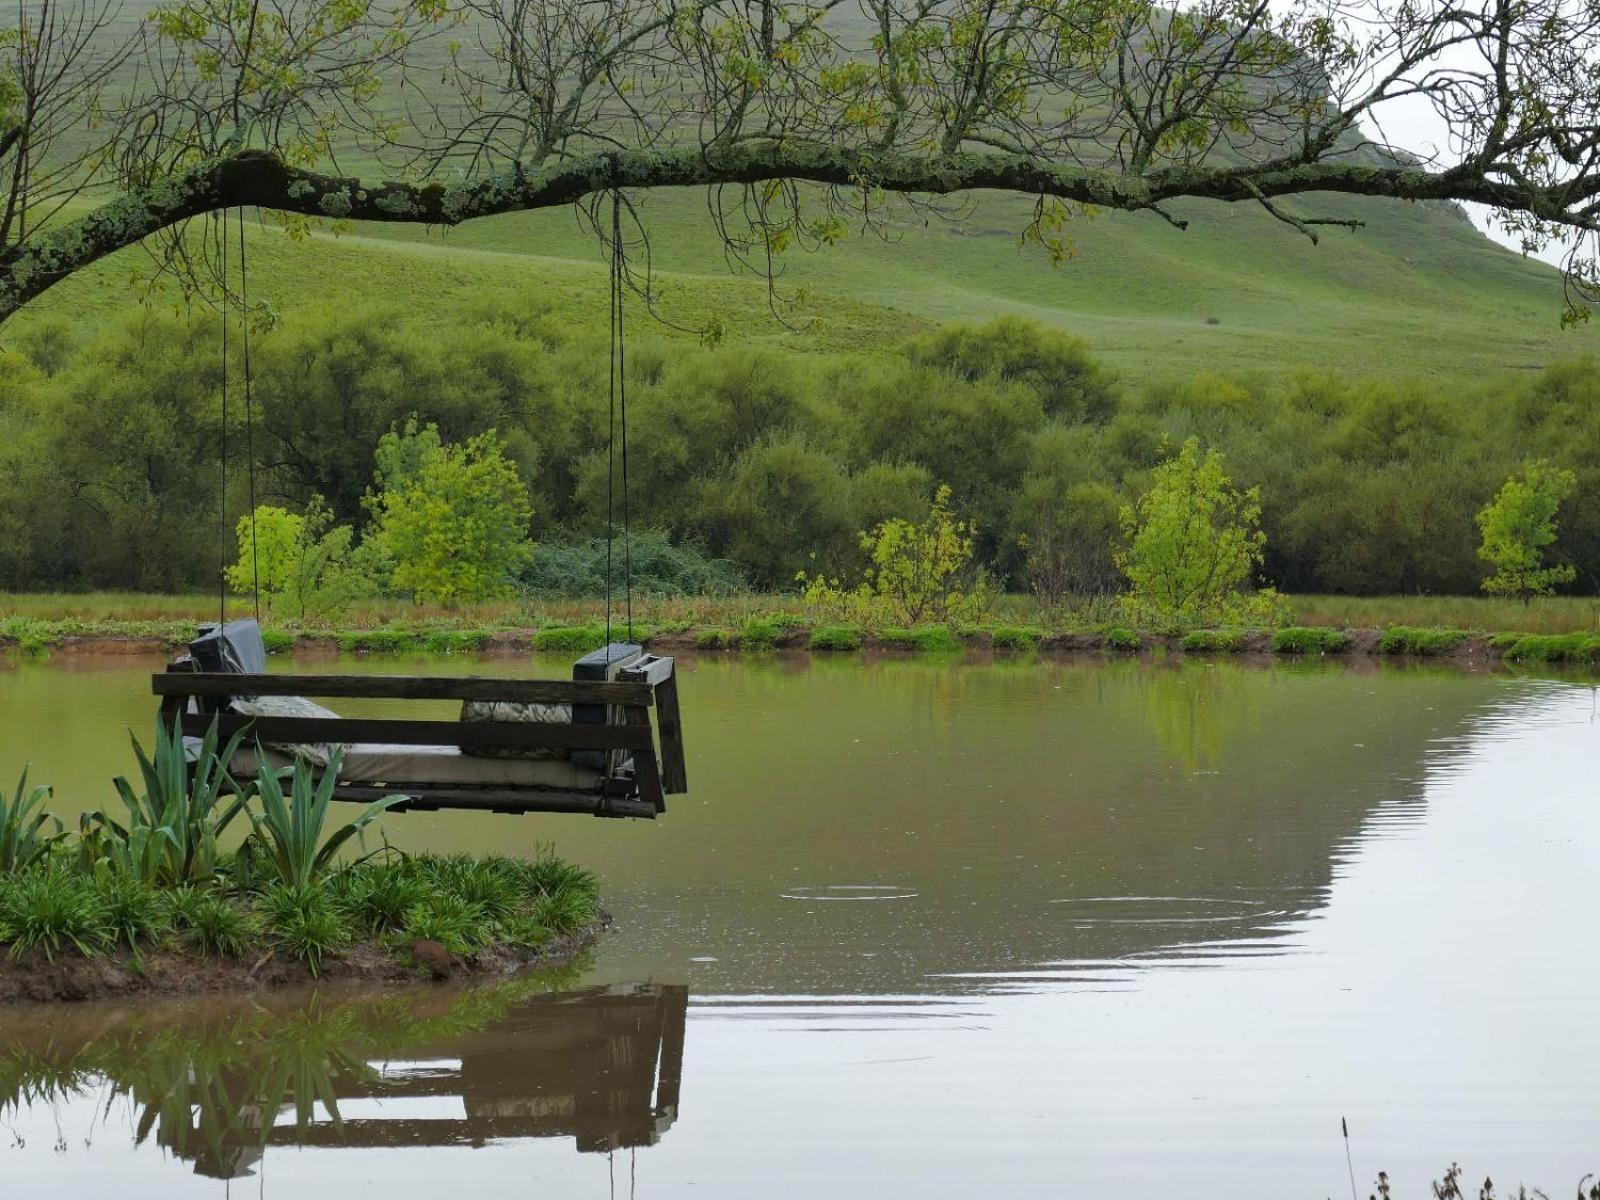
[(1417, 291)]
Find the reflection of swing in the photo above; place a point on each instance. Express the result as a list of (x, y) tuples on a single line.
[(520, 745)]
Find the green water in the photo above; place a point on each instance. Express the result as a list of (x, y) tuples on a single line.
[(1022, 929)]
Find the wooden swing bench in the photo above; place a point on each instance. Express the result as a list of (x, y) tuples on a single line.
[(602, 759)]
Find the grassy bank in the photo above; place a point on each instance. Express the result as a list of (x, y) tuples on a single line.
[(197, 881), (1564, 629)]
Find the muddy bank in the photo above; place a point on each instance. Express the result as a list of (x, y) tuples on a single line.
[(166, 972)]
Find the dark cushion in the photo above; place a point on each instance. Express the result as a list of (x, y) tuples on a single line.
[(235, 649)]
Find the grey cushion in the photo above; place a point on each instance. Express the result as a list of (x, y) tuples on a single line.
[(508, 710), (317, 753)]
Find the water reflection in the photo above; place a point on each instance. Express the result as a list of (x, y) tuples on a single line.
[(218, 1087)]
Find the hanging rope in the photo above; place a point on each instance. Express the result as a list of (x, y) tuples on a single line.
[(221, 226), (249, 415), (619, 404)]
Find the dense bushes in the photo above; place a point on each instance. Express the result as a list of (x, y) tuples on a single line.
[(772, 462)]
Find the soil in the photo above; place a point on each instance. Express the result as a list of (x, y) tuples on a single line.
[(166, 972)]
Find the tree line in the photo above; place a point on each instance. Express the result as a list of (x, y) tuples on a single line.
[(112, 444)]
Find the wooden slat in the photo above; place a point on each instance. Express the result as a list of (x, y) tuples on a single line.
[(674, 768), (646, 771), (401, 687), (509, 734), (427, 798)]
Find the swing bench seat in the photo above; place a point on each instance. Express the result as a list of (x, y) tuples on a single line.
[(602, 759)]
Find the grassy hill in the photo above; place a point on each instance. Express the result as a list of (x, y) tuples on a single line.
[(1417, 291)]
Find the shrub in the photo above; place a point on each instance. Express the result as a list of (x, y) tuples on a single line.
[(1193, 541), (578, 570), (570, 639), (927, 638), (836, 638), (918, 572), (27, 831), (1301, 639), (1213, 641), (453, 519), (302, 563), (1406, 639), (1518, 526), (303, 921), (50, 911), (1120, 638), (1016, 637)]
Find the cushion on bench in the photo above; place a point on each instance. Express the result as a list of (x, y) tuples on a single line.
[(511, 711)]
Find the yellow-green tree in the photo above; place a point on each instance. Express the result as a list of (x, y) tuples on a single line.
[(453, 519), (1518, 526), (917, 571), (1193, 541), (301, 563)]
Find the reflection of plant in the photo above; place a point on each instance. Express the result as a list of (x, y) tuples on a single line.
[(173, 828)]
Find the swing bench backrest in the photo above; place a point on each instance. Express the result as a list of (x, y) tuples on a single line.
[(612, 727)]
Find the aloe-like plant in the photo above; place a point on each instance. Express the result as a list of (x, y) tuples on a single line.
[(173, 827), (24, 827), (289, 828)]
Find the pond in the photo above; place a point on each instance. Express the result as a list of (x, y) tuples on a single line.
[(1033, 928)]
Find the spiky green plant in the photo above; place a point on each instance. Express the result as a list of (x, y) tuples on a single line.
[(377, 896), (302, 920), (173, 827), (25, 836), (565, 911), (458, 926), (131, 909), (50, 911), (289, 828)]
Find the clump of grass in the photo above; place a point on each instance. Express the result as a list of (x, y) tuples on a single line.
[(570, 639), (1016, 637), (457, 925), (218, 927), (1410, 639), (1120, 638), (565, 911), (375, 897), (303, 921), (837, 638), (759, 633), (1555, 647), (1309, 639), (277, 641), (378, 641), (716, 638), (929, 639), (131, 910), (1212, 641), (51, 911), (457, 641)]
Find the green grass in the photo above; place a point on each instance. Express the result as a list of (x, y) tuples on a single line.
[(571, 639), (1300, 639), (1120, 638), (1212, 641), (1406, 639), (1553, 648), (1017, 637), (929, 639), (1556, 614), (837, 638)]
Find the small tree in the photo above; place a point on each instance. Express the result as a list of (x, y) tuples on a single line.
[(1193, 541), (453, 519), (303, 562), (918, 571), (1518, 526)]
